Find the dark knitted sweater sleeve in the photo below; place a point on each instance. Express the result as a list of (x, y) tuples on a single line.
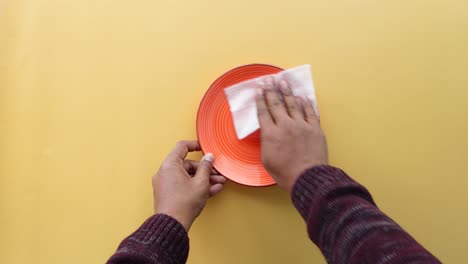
[(344, 222), (160, 240)]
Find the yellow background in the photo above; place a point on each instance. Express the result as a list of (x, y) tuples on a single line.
[(94, 93)]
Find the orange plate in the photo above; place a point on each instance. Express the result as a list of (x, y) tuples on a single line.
[(238, 160)]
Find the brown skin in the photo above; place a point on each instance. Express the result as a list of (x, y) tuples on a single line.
[(182, 187), (292, 141)]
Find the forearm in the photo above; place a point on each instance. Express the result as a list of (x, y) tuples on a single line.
[(347, 226), (160, 240)]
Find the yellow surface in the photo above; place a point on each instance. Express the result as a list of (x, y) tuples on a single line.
[(94, 93)]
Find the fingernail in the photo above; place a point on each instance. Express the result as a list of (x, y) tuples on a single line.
[(259, 91), (209, 157)]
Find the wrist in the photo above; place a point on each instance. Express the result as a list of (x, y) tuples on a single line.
[(184, 220), (300, 171)]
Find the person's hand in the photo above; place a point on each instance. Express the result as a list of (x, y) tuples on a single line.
[(291, 138), (182, 187)]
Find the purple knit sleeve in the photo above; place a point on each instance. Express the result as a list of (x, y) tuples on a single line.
[(160, 240), (344, 222)]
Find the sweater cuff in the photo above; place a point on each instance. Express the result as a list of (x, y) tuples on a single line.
[(159, 238), (321, 183)]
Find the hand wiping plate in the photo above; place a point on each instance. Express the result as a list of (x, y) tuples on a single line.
[(241, 96)]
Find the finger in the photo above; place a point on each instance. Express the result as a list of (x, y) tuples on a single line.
[(290, 101), (204, 168), (273, 101), (309, 110), (183, 147), (214, 179), (264, 118), (191, 166), (216, 188)]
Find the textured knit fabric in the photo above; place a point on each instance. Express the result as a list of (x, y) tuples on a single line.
[(161, 239), (342, 220)]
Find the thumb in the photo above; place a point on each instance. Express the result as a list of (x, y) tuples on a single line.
[(204, 168)]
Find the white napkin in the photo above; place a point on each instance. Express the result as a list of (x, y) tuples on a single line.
[(241, 96)]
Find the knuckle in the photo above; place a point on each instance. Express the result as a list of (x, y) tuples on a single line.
[(292, 107), (166, 165), (270, 137), (309, 129), (289, 123), (265, 136), (290, 128), (286, 92), (277, 138), (294, 130), (311, 117), (181, 143), (269, 93), (276, 104), (205, 163)]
